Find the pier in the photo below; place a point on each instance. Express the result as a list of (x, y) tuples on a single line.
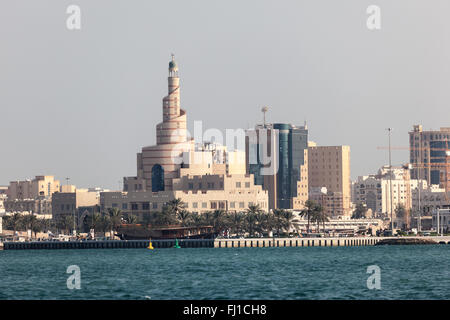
[(210, 243)]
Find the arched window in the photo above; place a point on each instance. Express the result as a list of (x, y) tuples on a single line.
[(157, 178)]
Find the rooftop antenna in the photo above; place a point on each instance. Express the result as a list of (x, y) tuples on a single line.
[(264, 110)]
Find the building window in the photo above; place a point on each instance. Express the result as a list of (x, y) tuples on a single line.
[(247, 184), (241, 204), (114, 205), (194, 205), (155, 205), (238, 184), (190, 186), (134, 206), (157, 178), (124, 206), (232, 204), (145, 206), (204, 205)]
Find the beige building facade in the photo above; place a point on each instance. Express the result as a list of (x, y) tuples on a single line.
[(40, 186), (69, 203), (430, 154), (329, 167)]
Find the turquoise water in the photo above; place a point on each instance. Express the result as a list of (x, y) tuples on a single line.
[(407, 272)]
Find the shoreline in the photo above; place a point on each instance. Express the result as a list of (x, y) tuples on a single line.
[(226, 243)]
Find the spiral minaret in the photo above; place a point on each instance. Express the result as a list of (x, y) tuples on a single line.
[(159, 164)]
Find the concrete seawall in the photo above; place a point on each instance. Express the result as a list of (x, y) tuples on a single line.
[(311, 242), (208, 243)]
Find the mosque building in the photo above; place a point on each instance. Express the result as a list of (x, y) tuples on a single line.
[(206, 176)]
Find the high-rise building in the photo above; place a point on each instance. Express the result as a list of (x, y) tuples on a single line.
[(277, 156), (329, 167), (428, 153)]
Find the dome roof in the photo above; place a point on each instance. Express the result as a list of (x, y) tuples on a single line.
[(172, 64)]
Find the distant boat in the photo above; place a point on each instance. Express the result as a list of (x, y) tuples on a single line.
[(141, 232)]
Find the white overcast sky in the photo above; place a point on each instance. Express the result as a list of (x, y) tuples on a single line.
[(81, 104)]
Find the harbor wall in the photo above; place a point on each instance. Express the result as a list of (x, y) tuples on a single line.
[(207, 243)]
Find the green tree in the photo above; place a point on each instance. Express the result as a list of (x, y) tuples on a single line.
[(184, 217), (254, 208), (309, 211), (251, 220), (360, 211), (279, 219), (105, 223), (175, 206), (236, 222), (65, 223), (132, 219), (218, 220), (96, 220), (288, 217), (31, 222), (15, 221), (115, 216), (319, 216), (400, 211)]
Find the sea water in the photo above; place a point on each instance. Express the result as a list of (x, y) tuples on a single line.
[(405, 272)]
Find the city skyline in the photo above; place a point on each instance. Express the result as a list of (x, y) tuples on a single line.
[(88, 119)]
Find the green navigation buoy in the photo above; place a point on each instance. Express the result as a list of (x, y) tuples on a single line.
[(176, 244)]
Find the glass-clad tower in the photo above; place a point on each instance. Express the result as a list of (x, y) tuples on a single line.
[(290, 146)]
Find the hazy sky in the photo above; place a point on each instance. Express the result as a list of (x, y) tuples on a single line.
[(81, 104)]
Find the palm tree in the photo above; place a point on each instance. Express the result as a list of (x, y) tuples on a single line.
[(16, 220), (309, 211), (279, 217), (184, 216), (31, 222), (105, 223), (65, 223), (115, 218), (38, 226), (319, 216), (254, 208), (236, 220), (132, 219), (207, 218), (196, 220), (360, 211), (288, 216), (251, 222), (175, 206), (218, 220), (96, 220)]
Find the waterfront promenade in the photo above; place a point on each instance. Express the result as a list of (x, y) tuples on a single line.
[(209, 243)]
